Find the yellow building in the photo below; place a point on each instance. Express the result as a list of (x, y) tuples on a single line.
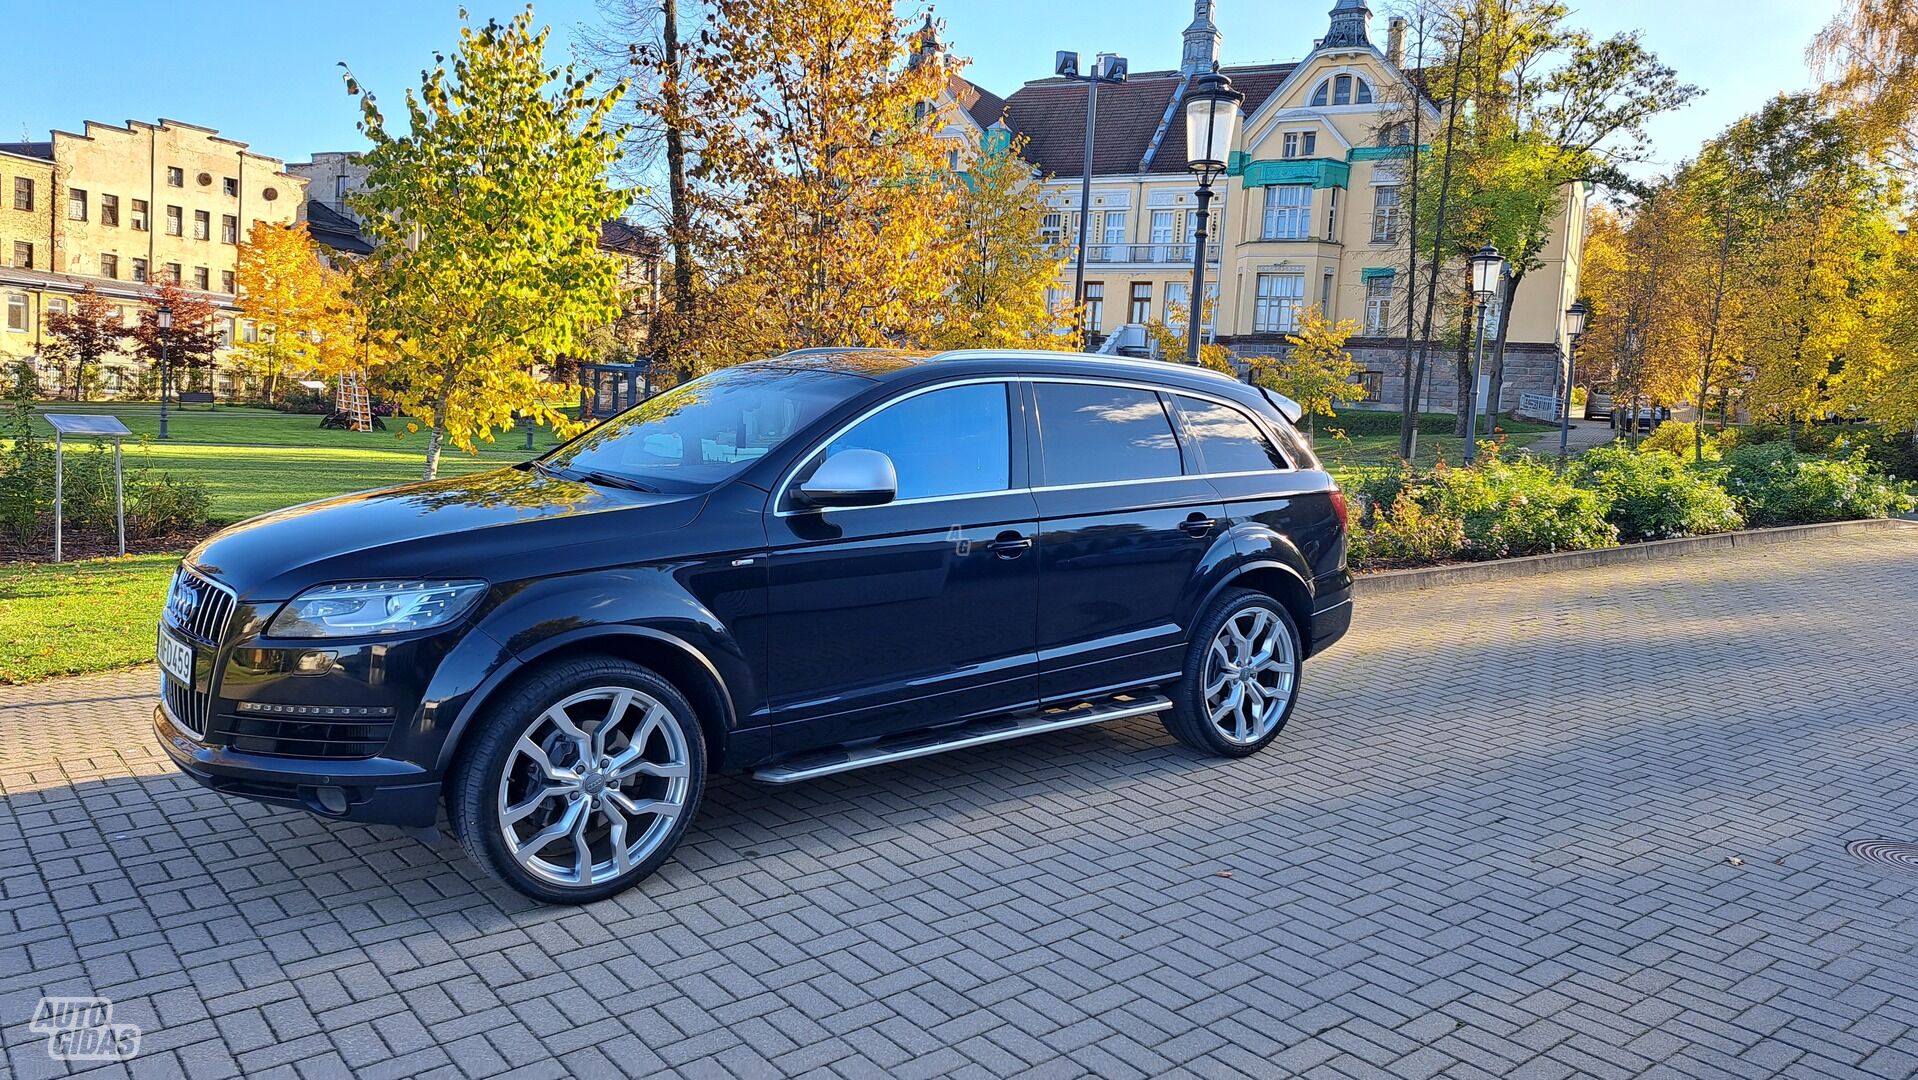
[(122, 208), (1309, 213)]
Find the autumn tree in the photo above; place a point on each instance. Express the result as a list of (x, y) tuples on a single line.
[(826, 137), (1000, 298), (191, 342), (1870, 52), (297, 302), (1170, 340), (83, 335), (485, 216), (1316, 371)]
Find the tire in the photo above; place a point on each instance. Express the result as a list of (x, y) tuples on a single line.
[(522, 776), (1247, 725)]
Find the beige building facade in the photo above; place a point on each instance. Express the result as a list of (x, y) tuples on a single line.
[(1311, 211), (121, 208)]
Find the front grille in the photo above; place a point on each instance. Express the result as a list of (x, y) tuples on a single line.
[(305, 737), (198, 609)]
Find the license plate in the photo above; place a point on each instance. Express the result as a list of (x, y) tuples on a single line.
[(176, 658)]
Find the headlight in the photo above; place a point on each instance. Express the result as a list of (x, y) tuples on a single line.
[(358, 608)]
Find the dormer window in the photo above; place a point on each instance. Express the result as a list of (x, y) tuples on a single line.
[(1343, 90), (1301, 143)]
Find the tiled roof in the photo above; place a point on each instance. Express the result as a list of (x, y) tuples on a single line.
[(1051, 114), (627, 239), (336, 230), (42, 150), (984, 106)]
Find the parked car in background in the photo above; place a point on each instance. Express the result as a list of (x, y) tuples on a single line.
[(809, 564)]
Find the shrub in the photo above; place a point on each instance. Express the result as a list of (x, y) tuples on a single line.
[(1776, 485), (1675, 437), (26, 467), (1516, 506), (159, 504), (1653, 496), (1406, 533)]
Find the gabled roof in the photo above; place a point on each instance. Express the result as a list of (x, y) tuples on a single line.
[(984, 106), (335, 230), (1051, 114)]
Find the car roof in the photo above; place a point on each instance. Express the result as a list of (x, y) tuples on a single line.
[(881, 363)]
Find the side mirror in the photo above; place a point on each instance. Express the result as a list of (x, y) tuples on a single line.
[(851, 478)]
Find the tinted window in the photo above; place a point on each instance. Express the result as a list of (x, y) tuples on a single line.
[(1228, 440), (704, 431), (1093, 434), (954, 441)]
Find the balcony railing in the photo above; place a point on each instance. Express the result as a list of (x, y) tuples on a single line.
[(1170, 254)]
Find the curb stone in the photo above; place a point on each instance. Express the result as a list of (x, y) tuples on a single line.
[(1427, 577)]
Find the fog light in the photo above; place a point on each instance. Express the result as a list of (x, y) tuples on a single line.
[(314, 662), (332, 799)]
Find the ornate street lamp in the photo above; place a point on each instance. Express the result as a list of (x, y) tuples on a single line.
[(1106, 68), (1488, 272), (1575, 317), (164, 320), (1211, 125)]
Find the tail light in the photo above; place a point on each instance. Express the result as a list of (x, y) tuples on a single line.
[(1338, 507)]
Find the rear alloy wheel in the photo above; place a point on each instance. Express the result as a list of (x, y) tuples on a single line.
[(582, 782), (1241, 676)]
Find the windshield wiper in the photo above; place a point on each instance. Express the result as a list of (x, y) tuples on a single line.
[(606, 479)]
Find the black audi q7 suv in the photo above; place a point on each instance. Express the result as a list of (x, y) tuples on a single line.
[(799, 566)]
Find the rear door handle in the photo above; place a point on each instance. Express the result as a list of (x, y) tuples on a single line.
[(1009, 545), (1197, 526)]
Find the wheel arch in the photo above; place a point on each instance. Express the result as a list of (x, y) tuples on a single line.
[(1279, 581)]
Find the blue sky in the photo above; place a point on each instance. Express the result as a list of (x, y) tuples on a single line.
[(264, 72)]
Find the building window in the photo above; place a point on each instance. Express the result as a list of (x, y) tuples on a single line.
[(1385, 214), (226, 333), (109, 266), (1140, 310), (202, 224), (1343, 90), (137, 216), (1275, 307), (17, 312), (1301, 143), (57, 306), (173, 272), (341, 188), (174, 219), (230, 186), (229, 229), (22, 255), (1378, 306), (1051, 228), (202, 280), (1373, 383), (1331, 214), (1114, 234), (1095, 304), (175, 176), (1178, 304), (250, 332), (226, 281), (1325, 293), (139, 269), (76, 204), (117, 314), (22, 193), (1397, 133), (110, 210), (1287, 207)]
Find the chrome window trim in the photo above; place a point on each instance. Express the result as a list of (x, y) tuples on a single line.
[(784, 485)]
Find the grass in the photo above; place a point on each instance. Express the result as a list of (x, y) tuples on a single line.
[(75, 617), (1358, 439)]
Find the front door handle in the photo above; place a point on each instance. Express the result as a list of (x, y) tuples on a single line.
[(1009, 545), (1197, 525)]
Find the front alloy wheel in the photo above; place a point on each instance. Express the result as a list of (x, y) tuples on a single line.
[(581, 782), (1241, 676)]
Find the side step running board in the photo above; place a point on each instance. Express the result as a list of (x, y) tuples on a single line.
[(815, 764)]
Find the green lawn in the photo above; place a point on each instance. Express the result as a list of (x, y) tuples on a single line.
[(1358, 439), (84, 616)]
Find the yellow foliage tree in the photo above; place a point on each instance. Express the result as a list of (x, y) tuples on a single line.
[(999, 300), (1172, 344), (298, 303), (1317, 373)]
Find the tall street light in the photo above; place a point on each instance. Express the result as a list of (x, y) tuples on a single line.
[(1106, 68), (1488, 267), (164, 320), (1211, 124), (1574, 329)]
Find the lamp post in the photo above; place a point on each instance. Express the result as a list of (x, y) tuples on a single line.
[(1106, 68), (1211, 124), (1488, 266), (164, 320), (1574, 329)]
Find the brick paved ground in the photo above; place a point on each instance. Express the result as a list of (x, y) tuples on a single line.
[(1493, 843)]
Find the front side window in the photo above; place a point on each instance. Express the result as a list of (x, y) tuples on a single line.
[(201, 280), (1091, 434), (138, 216), (1287, 212), (1228, 440), (110, 266), (1141, 308), (173, 272), (23, 254), (703, 432), (1178, 304), (175, 176), (1095, 304), (1276, 304), (17, 312), (229, 229), (139, 269), (202, 224), (952, 441), (1052, 229), (22, 193), (76, 204), (230, 186), (1378, 306), (1164, 228), (174, 217), (1385, 214), (110, 210)]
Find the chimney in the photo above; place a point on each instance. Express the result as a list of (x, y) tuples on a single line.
[(1201, 52), (1395, 42)]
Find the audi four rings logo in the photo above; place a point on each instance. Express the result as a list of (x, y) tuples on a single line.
[(183, 600)]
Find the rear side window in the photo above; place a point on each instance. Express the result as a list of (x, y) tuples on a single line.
[(1227, 439), (1097, 434), (955, 441)]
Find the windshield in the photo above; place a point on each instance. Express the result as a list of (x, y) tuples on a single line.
[(705, 431)]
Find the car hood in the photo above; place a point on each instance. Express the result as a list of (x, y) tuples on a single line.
[(491, 525)]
